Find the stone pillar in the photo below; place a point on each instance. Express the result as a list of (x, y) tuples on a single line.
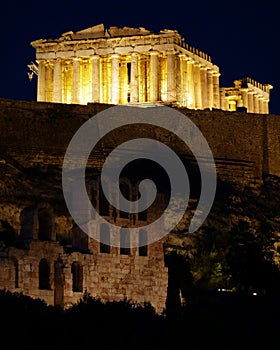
[(256, 103), (182, 80), (261, 105), (244, 93), (41, 88), (134, 84), (171, 83), (115, 79), (216, 90), (204, 88), (57, 81), (222, 98), (265, 107), (190, 84), (95, 59), (76, 81), (197, 86), (210, 92), (250, 102), (153, 76)]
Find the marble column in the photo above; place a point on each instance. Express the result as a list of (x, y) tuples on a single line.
[(250, 102), (210, 92), (256, 103), (57, 81), (95, 59), (244, 94), (216, 90), (115, 79), (41, 88), (190, 84), (134, 84), (197, 86), (153, 76), (204, 88), (222, 98), (76, 81), (182, 80), (171, 83)]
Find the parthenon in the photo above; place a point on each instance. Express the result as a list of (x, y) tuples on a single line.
[(134, 65)]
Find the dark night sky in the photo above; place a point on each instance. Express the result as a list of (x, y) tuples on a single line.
[(242, 37)]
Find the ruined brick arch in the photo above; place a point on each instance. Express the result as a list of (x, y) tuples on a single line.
[(15, 272), (44, 274), (77, 276), (142, 215), (45, 222), (127, 191), (37, 222)]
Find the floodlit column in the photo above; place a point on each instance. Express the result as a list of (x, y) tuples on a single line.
[(182, 80), (265, 107), (95, 59), (250, 102), (76, 81), (134, 83), (190, 84), (222, 98), (115, 79), (256, 103), (203, 81), (153, 76), (57, 81), (261, 105), (197, 86), (41, 89), (216, 90), (244, 94), (171, 84), (210, 92)]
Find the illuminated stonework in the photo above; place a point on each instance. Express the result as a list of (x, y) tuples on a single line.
[(135, 65)]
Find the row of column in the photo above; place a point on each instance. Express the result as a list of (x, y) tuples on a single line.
[(253, 101), (178, 79)]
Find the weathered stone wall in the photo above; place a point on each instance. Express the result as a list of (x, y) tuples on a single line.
[(245, 142), (106, 276)]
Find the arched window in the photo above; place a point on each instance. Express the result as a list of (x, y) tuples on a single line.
[(77, 277), (44, 224), (124, 242), (15, 272), (125, 191), (44, 274), (103, 203), (143, 240), (142, 215), (104, 239)]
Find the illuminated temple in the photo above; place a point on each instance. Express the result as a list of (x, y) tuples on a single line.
[(135, 65)]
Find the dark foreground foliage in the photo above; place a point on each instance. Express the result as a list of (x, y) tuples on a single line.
[(218, 320)]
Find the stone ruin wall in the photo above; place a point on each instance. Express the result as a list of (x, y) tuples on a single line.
[(244, 147)]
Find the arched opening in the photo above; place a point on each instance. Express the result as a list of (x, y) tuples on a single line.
[(15, 272), (77, 277), (44, 274), (104, 239), (124, 242), (103, 203), (44, 224), (143, 243), (125, 191)]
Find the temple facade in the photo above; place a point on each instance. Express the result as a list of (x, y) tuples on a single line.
[(135, 65)]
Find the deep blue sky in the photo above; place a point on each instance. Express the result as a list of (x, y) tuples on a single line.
[(242, 37)]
